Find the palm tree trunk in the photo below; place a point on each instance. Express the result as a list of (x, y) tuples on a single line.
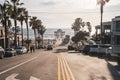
[(15, 24), (35, 37), (101, 23), (27, 34), (38, 40), (5, 24), (22, 32), (42, 39), (15, 37)]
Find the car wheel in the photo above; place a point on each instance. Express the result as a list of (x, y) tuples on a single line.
[(2, 56), (118, 61), (109, 56), (14, 54)]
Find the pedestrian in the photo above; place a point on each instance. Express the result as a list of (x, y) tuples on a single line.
[(31, 49)]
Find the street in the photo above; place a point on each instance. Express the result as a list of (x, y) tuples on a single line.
[(41, 65), (57, 64)]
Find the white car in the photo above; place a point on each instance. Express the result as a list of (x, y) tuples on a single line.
[(21, 50), (2, 52), (94, 49), (99, 49), (103, 50)]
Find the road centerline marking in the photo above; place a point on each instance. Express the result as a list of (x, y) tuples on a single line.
[(17, 66), (65, 68), (62, 69), (71, 74), (59, 73)]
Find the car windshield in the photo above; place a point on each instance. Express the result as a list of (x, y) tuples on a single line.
[(94, 46), (105, 46), (9, 49), (19, 48), (49, 45)]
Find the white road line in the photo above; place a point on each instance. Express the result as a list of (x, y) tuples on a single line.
[(17, 66), (12, 77), (33, 78)]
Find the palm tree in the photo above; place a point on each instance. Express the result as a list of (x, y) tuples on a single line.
[(39, 23), (15, 13), (41, 31), (33, 24), (6, 9), (26, 21), (101, 3), (21, 18)]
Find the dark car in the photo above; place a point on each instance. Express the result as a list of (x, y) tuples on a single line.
[(10, 52), (71, 47), (86, 49), (49, 47), (81, 49), (2, 52), (41, 46)]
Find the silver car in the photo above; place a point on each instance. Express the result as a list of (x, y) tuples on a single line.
[(21, 50)]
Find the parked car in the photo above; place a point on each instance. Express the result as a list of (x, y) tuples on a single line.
[(103, 50), (86, 49), (10, 52), (21, 50), (41, 46), (99, 49), (71, 47), (94, 49), (49, 47), (2, 52), (81, 48)]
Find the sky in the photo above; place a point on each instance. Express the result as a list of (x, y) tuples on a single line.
[(62, 13)]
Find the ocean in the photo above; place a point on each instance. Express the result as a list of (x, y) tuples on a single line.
[(49, 34)]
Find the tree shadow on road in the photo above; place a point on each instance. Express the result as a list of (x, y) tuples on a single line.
[(60, 50), (73, 51), (93, 77), (114, 71)]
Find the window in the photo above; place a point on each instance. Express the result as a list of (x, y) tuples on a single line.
[(118, 26), (117, 40)]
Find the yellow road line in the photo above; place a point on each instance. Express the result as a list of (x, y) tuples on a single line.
[(59, 75), (71, 74), (63, 72), (66, 70)]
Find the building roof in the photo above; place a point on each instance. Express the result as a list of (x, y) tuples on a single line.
[(105, 24)]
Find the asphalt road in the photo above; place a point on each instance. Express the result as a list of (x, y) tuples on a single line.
[(58, 64), (41, 65), (77, 66)]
